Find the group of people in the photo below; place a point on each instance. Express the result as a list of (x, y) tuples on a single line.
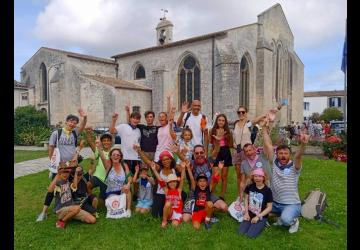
[(267, 182)]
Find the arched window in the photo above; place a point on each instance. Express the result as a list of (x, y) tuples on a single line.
[(277, 72), (189, 75), (139, 72), (244, 82), (43, 83)]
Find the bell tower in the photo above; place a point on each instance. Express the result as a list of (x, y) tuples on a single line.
[(164, 31)]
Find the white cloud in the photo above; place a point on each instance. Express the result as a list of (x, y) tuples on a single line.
[(330, 79), (108, 27)]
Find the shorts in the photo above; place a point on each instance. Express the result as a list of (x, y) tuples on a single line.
[(176, 216), (214, 198), (96, 182), (61, 213), (145, 203), (131, 164), (224, 155), (237, 158), (189, 206), (199, 215)]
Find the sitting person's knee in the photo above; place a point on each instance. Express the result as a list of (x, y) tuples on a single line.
[(287, 220)]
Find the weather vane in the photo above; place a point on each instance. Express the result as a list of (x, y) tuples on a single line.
[(165, 11)]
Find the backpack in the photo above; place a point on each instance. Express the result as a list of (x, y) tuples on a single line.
[(203, 118), (314, 205), (73, 132)]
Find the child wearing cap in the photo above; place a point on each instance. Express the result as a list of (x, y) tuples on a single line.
[(203, 206), (173, 202), (258, 205), (145, 193)]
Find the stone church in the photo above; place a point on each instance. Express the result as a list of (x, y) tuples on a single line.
[(253, 65)]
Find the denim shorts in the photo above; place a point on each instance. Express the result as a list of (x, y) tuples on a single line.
[(144, 203)]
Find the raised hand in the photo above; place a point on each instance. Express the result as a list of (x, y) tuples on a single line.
[(183, 165), (98, 142), (153, 166), (304, 138), (220, 132), (127, 108), (137, 168), (82, 112), (185, 107), (88, 130), (115, 116), (174, 148), (136, 147)]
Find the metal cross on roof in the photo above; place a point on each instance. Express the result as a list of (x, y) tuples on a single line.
[(165, 11)]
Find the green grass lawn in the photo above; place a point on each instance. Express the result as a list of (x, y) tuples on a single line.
[(25, 155), (143, 231)]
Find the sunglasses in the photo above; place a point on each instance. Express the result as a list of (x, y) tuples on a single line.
[(116, 155), (199, 153), (241, 112)]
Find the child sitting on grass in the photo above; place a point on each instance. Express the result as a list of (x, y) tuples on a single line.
[(258, 204), (173, 207), (145, 194)]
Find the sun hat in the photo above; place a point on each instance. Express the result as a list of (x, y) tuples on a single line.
[(258, 171), (171, 177)]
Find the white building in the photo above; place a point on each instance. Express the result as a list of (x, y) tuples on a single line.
[(318, 101)]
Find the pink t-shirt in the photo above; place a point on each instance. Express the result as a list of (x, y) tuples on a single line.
[(164, 141)]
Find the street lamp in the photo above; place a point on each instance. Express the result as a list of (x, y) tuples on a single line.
[(56, 65)]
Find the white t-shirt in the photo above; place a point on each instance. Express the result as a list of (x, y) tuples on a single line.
[(194, 124), (129, 137)]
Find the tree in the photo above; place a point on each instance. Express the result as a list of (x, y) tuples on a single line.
[(315, 117), (331, 114)]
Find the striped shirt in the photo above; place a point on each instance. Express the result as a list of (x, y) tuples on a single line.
[(284, 184)]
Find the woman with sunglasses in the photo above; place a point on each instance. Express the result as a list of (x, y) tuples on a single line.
[(118, 176)]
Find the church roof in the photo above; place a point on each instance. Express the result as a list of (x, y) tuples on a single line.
[(324, 93), (19, 85), (164, 22), (173, 44), (117, 83), (76, 55)]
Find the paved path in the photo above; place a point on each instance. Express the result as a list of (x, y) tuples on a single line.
[(30, 148), (38, 165)]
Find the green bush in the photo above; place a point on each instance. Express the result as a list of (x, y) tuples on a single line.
[(30, 126)]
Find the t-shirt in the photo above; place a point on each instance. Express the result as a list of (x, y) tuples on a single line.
[(189, 145), (149, 140), (284, 183), (164, 141), (160, 190), (100, 171), (63, 194), (145, 192), (174, 197), (202, 169), (201, 197), (261, 162), (194, 124), (129, 137), (258, 199), (66, 145), (81, 190)]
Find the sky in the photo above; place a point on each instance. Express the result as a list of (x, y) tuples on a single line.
[(105, 28)]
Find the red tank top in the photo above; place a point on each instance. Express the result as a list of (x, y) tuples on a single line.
[(174, 197)]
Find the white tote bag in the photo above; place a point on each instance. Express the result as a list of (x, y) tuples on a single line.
[(116, 206), (236, 210), (55, 158)]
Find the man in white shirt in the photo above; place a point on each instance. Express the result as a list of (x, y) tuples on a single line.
[(196, 121), (130, 135)]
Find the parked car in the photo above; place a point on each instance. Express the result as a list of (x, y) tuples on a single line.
[(102, 130), (337, 126)]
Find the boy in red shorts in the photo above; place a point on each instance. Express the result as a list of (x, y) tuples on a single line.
[(203, 207)]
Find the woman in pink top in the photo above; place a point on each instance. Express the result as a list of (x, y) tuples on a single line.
[(224, 155), (166, 134)]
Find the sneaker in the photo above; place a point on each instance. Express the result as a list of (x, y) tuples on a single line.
[(294, 227), (214, 220), (41, 217), (60, 224), (278, 222), (207, 225)]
